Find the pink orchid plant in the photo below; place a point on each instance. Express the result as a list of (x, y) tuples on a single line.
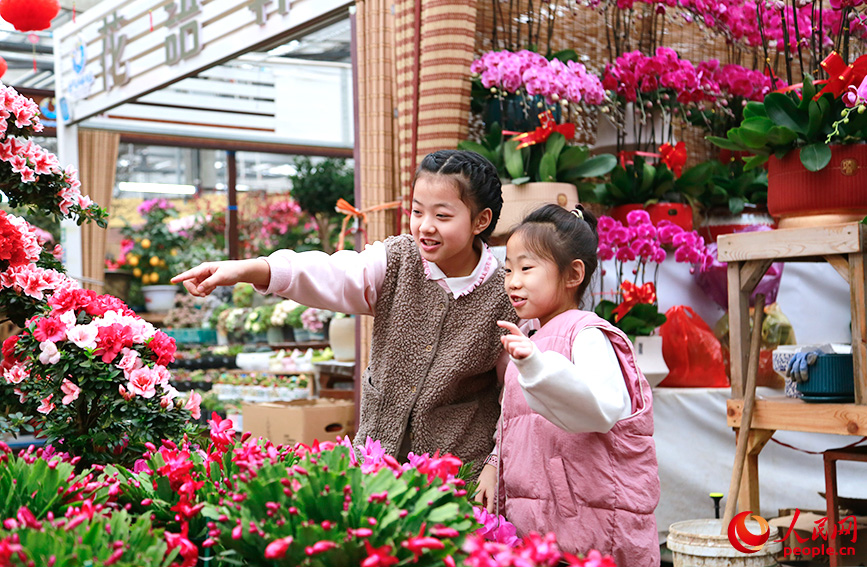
[(93, 376), (637, 247)]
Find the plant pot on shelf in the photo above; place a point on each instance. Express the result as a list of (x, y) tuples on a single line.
[(836, 194), (678, 213), (117, 283), (341, 337), (721, 221), (277, 335), (301, 335), (159, 297), (521, 200), (648, 357)]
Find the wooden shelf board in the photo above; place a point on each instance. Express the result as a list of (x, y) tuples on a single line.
[(792, 243), (790, 414)]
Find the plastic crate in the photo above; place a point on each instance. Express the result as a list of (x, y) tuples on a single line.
[(193, 336)]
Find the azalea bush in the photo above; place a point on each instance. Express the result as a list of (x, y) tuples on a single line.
[(93, 375), (637, 250)]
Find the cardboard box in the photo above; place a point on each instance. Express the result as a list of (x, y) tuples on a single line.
[(300, 421), (813, 552)]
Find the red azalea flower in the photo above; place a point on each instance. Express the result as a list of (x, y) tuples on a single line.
[(163, 346), (49, 329), (111, 340)]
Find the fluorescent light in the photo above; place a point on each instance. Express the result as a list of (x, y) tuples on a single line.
[(167, 188)]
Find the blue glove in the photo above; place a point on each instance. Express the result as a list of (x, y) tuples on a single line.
[(797, 367)]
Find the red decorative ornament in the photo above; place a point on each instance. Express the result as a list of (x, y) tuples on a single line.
[(29, 15), (3, 67)]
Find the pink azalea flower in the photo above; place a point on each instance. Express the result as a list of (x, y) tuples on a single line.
[(192, 405), (83, 336), (16, 374), (143, 382), (71, 390), (45, 407)]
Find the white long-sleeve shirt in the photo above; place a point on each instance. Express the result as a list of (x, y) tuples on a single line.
[(581, 395)]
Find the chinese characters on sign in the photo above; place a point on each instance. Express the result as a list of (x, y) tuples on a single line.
[(113, 65), (183, 43)]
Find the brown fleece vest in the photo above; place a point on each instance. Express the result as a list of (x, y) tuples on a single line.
[(432, 361)]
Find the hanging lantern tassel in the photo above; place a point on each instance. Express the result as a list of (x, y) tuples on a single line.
[(151, 16), (3, 67), (33, 39), (73, 12)]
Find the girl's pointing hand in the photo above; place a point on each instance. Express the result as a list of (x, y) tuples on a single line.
[(516, 343)]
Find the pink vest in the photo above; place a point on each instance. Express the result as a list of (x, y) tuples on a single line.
[(593, 490)]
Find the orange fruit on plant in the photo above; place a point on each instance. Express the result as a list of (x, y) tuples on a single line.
[(145, 243), (154, 261), (137, 272)]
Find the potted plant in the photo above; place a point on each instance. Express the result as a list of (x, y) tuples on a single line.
[(153, 253), (637, 249), (812, 138), (660, 188), (316, 322), (341, 337), (532, 103), (281, 330), (297, 324), (316, 187), (734, 199)]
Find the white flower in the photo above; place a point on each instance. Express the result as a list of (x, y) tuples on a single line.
[(50, 354), (83, 336)]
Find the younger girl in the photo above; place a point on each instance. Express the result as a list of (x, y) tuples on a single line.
[(437, 295), (576, 452)]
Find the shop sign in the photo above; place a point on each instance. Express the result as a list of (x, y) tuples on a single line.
[(119, 50)]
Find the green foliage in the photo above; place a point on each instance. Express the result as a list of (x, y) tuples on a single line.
[(330, 500), (43, 486), (732, 187), (129, 541), (784, 122), (641, 320), (317, 186), (294, 317), (242, 295)]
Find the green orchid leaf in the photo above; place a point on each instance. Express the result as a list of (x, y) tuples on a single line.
[(784, 112), (555, 144), (816, 110), (514, 161), (573, 156), (548, 168), (815, 156), (808, 92), (566, 55), (596, 166)]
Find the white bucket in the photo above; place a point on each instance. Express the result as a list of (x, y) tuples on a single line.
[(698, 543), (159, 297)]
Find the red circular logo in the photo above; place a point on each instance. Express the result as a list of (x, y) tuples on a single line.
[(738, 533)]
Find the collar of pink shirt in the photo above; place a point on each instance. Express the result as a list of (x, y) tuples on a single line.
[(461, 286)]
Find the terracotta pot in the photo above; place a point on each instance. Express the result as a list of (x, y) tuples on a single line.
[(834, 195), (520, 200)]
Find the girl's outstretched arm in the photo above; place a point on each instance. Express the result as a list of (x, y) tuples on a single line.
[(205, 278)]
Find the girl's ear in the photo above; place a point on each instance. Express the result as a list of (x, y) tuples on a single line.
[(482, 220), (575, 275)]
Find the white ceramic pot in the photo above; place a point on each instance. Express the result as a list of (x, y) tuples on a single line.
[(521, 200), (648, 357), (159, 297), (341, 336)]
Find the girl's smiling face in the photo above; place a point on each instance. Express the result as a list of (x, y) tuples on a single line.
[(444, 227), (535, 285)]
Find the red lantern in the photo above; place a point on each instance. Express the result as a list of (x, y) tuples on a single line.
[(29, 15), (3, 67)]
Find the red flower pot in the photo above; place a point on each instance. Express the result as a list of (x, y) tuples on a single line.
[(836, 194), (678, 213)]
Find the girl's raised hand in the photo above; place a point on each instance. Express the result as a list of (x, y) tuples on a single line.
[(204, 278), (516, 343)]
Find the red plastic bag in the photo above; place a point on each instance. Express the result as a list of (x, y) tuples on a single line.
[(692, 352)]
